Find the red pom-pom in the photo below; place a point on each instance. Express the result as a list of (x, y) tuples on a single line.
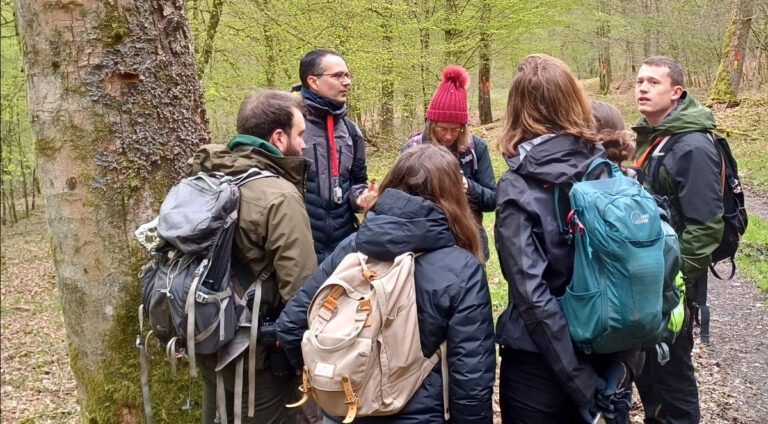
[(457, 75)]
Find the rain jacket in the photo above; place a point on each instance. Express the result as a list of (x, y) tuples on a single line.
[(689, 176), (536, 260), (452, 299), (273, 228), (331, 222)]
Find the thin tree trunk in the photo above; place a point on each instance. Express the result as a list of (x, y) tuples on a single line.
[(450, 33), (109, 143), (425, 80), (35, 186), (387, 118), (3, 201), (484, 71), (604, 68), (728, 78), (12, 201), (210, 34), (22, 160)]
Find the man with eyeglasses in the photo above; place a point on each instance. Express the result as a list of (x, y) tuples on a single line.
[(336, 184)]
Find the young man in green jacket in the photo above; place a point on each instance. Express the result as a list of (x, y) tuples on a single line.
[(273, 233), (688, 174)]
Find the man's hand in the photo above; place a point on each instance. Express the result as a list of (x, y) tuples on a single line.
[(368, 196)]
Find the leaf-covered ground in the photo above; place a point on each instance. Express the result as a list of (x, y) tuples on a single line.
[(37, 385)]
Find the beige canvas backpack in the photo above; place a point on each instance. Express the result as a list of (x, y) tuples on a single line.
[(362, 351)]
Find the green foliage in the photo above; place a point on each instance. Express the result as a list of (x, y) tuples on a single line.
[(17, 161), (752, 258)]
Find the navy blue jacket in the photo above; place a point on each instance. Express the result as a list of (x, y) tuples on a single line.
[(452, 299), (332, 221)]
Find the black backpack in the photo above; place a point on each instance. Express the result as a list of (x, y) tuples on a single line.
[(734, 212)]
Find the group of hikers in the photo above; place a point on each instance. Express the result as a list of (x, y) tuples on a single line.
[(302, 224)]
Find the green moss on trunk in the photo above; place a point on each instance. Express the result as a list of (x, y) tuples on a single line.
[(116, 387), (721, 89)]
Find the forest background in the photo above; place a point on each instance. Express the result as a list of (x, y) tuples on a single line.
[(395, 50)]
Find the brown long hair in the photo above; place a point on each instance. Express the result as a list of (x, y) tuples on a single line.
[(612, 133), (545, 98), (432, 172)]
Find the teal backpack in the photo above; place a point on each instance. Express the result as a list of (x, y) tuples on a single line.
[(622, 293)]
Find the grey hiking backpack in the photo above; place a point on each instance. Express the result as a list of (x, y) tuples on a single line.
[(187, 289)]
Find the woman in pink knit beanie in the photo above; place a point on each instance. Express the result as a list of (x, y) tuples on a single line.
[(446, 125)]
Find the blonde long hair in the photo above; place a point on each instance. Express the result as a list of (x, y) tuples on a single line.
[(545, 98)]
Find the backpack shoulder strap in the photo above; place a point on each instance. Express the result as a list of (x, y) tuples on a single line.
[(250, 175), (353, 133)]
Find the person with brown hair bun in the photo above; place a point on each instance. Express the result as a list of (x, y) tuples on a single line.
[(548, 140), (446, 125), (419, 210), (612, 133)]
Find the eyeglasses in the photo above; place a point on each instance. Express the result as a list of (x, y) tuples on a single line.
[(451, 131), (338, 76)]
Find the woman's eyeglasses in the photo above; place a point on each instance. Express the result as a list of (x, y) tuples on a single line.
[(338, 76), (451, 131)]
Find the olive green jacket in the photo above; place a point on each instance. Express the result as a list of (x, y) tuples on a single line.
[(689, 176), (273, 227)]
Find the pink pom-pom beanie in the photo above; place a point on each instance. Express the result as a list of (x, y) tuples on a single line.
[(449, 103)]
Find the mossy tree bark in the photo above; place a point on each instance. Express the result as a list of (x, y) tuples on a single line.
[(116, 108), (728, 79)]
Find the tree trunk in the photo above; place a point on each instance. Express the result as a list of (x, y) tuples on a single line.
[(604, 69), (4, 217), (116, 108), (728, 79), (210, 34), (387, 117), (484, 72), (35, 186), (12, 201), (22, 162), (450, 33), (425, 80)]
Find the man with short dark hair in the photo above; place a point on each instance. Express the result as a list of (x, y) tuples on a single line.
[(336, 184), (688, 174), (273, 239)]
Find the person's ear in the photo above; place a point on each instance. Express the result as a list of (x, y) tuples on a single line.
[(312, 82), (677, 92), (278, 139)]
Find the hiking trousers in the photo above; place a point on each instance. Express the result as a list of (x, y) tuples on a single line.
[(669, 392), (530, 392), (272, 394)]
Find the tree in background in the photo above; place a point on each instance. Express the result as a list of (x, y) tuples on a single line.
[(733, 55), (116, 107)]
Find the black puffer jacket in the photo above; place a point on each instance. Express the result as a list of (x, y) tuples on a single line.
[(332, 222), (535, 258), (452, 299)]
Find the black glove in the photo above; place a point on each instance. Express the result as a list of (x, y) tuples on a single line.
[(612, 396)]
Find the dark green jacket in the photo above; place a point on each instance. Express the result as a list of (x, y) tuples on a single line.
[(689, 176)]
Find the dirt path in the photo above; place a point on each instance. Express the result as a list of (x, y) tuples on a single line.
[(37, 385), (733, 369)]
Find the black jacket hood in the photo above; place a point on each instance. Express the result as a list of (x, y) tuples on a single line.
[(554, 158)]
